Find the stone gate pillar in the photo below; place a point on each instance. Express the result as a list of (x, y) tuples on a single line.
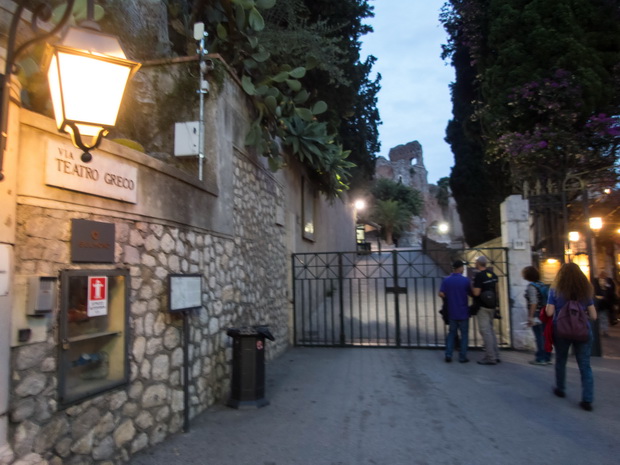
[(515, 223)]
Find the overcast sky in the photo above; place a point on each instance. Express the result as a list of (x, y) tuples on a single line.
[(414, 100)]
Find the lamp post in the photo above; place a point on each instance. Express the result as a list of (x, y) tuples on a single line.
[(87, 74)]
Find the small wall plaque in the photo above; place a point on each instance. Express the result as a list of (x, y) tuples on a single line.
[(92, 242)]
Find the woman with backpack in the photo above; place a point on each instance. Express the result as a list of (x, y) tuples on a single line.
[(570, 301), (536, 295)]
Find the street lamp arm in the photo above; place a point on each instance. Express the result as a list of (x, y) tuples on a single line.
[(43, 12)]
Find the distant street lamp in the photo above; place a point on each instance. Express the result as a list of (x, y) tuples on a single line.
[(596, 224), (360, 204)]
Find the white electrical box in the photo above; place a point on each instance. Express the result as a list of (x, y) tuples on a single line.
[(186, 139), (41, 295)]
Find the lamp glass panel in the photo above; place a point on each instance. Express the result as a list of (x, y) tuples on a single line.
[(54, 83), (92, 89)]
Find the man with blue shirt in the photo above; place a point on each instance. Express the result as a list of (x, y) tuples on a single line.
[(455, 289)]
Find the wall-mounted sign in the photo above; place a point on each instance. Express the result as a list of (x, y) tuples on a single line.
[(185, 291), (92, 241), (97, 296), (103, 176)]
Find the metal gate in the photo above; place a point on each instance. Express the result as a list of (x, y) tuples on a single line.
[(384, 299)]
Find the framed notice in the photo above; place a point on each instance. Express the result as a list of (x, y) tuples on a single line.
[(184, 292)]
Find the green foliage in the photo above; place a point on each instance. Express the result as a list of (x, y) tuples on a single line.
[(536, 96), (392, 216), (443, 192), (278, 49), (410, 199)]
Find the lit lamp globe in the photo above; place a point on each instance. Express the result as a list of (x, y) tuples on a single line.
[(443, 228), (87, 75), (596, 223)]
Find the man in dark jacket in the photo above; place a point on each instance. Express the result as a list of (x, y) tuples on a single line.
[(485, 282)]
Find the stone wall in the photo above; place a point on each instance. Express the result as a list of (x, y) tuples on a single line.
[(236, 229), (245, 283)]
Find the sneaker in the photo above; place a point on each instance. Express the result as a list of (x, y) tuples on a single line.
[(486, 362), (587, 406), (538, 362), (448, 359), (464, 360), (548, 362), (559, 392)]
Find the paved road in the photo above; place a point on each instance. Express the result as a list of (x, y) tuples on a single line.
[(407, 407)]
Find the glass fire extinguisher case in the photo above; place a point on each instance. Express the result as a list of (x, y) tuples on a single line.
[(93, 350)]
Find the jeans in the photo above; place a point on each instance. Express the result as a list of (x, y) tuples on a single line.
[(539, 335), (582, 355), (485, 326), (463, 327)]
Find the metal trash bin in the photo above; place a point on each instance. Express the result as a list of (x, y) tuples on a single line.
[(247, 388)]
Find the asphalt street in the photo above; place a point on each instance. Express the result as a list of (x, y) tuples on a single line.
[(408, 407)]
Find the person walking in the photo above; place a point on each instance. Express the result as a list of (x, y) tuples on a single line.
[(571, 284), (455, 289), (536, 298), (485, 282), (605, 299)]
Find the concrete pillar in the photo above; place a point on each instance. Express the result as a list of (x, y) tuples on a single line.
[(515, 220), (8, 200)]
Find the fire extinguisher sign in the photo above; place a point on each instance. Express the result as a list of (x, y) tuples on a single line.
[(97, 296)]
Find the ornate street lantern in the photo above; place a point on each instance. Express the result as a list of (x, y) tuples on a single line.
[(87, 75)]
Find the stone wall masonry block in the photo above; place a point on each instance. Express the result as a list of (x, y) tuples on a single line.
[(84, 445), (121, 232), (22, 409), (135, 238), (167, 243), (63, 447), (51, 433), (161, 273), (31, 355), (160, 325), (145, 292), (25, 435), (124, 433), (139, 308), (174, 264), (149, 322), (145, 420), (135, 390), (31, 459), (84, 421), (155, 396), (117, 400), (158, 433), (131, 255), (151, 243), (161, 367), (145, 369), (136, 283), (148, 261), (176, 358), (32, 385), (157, 229), (105, 426), (154, 345), (172, 338), (104, 450), (141, 441)]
